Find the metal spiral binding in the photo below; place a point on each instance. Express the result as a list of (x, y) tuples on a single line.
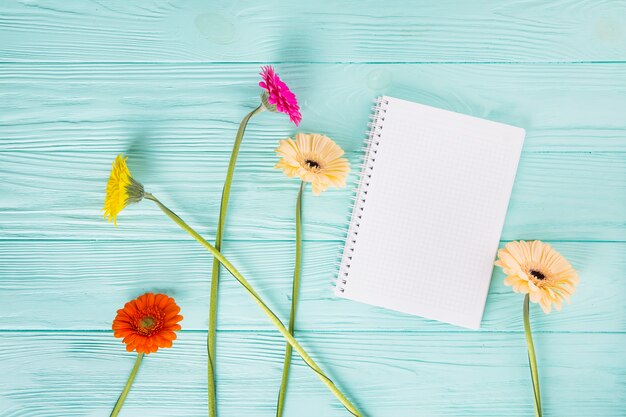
[(372, 141)]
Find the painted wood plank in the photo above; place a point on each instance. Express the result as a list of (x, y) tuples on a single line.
[(175, 107), (563, 196), (61, 123), (147, 30), (46, 283), (385, 374)]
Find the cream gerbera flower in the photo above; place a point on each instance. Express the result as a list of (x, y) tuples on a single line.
[(122, 190), (534, 268), (313, 158)]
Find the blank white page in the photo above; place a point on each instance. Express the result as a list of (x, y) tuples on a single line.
[(436, 194)]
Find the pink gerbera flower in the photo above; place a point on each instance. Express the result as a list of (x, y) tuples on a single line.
[(280, 95)]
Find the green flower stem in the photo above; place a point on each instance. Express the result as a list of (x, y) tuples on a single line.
[(294, 303), (215, 275), (532, 359), (129, 383), (268, 312)]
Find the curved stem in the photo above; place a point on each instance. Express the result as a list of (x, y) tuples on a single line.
[(295, 289), (268, 312), (215, 274), (532, 359), (129, 383)]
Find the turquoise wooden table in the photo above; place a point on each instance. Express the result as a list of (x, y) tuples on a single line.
[(168, 82)]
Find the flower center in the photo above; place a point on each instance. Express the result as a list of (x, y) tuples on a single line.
[(537, 274), (147, 323), (312, 164)]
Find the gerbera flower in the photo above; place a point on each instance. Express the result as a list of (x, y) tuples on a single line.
[(313, 158), (122, 190), (148, 323), (279, 95), (534, 268)]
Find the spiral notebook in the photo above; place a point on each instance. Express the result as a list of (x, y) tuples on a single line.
[(429, 211)]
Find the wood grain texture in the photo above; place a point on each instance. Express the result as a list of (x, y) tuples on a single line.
[(167, 83), (45, 283), (75, 107), (441, 374), (562, 196), (148, 30)]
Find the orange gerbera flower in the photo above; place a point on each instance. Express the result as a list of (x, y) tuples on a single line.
[(148, 323)]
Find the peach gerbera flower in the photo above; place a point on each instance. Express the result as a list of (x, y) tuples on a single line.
[(148, 323), (278, 95), (534, 268), (122, 190), (313, 158)]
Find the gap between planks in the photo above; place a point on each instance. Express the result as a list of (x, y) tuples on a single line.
[(312, 331), (44, 62)]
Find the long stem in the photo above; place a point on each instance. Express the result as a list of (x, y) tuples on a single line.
[(215, 275), (129, 383), (294, 303), (532, 359), (268, 312)]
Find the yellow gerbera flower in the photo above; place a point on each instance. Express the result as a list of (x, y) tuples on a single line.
[(122, 190), (536, 269), (313, 158)]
